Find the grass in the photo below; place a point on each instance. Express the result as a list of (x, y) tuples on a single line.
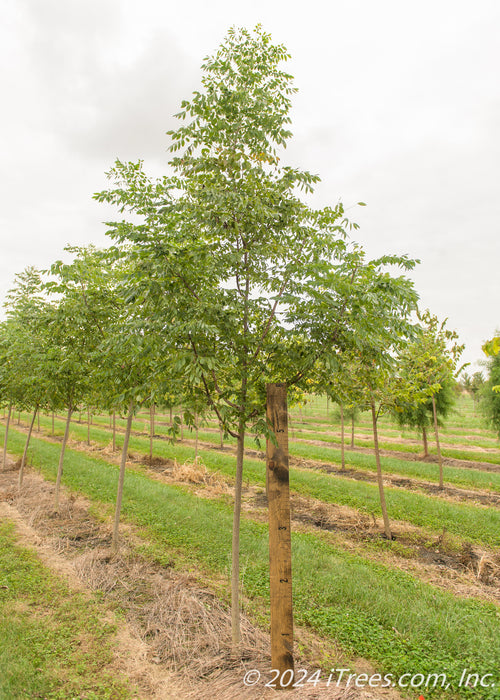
[(54, 643), (476, 523), (401, 623), (457, 476)]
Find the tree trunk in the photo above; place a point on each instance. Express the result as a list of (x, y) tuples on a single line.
[(7, 425), (25, 453), (352, 431), (151, 431), (387, 526), (61, 459), (53, 423), (19, 417), (196, 438), (235, 568), (438, 446), (38, 421), (342, 431), (88, 427), (114, 431), (424, 440), (280, 545), (221, 436), (121, 477)]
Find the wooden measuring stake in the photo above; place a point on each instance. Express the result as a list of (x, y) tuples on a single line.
[(280, 546)]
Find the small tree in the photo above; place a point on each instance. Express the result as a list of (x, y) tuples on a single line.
[(82, 310), (228, 239), (25, 374), (429, 364), (490, 392)]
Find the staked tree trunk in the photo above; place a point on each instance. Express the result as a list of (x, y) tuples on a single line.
[(235, 564), (280, 545), (151, 431), (4, 460), (438, 446), (121, 478), (352, 431), (424, 440), (61, 459), (114, 431), (196, 438), (387, 526), (25, 453), (342, 432)]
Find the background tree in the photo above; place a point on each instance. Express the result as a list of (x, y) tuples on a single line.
[(429, 363), (361, 313), (490, 392), (25, 372), (82, 311)]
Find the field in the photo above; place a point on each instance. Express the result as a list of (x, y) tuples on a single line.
[(409, 609)]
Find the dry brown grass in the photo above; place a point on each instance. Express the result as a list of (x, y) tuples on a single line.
[(183, 627)]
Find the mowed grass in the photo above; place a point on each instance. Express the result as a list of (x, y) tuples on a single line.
[(54, 643), (388, 616), (469, 522), (456, 476)]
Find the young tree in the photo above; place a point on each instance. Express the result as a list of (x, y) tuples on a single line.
[(362, 315), (228, 238), (490, 393), (82, 311), (25, 373), (429, 363)]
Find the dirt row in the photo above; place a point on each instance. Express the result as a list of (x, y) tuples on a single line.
[(176, 640), (471, 570), (408, 456), (468, 571), (461, 494)]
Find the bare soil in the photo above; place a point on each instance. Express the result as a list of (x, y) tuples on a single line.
[(175, 642), (467, 570)]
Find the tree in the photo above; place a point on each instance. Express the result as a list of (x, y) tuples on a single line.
[(228, 238), (361, 313), (490, 392), (429, 364), (82, 310), (24, 374)]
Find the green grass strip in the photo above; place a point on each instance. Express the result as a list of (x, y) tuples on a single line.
[(477, 523), (53, 642), (470, 478), (404, 625)]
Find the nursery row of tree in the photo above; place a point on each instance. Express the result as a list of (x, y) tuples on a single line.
[(223, 279)]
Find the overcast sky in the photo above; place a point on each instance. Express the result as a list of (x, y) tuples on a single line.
[(398, 106)]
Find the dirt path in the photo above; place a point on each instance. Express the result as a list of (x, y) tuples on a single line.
[(467, 571), (175, 642)]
